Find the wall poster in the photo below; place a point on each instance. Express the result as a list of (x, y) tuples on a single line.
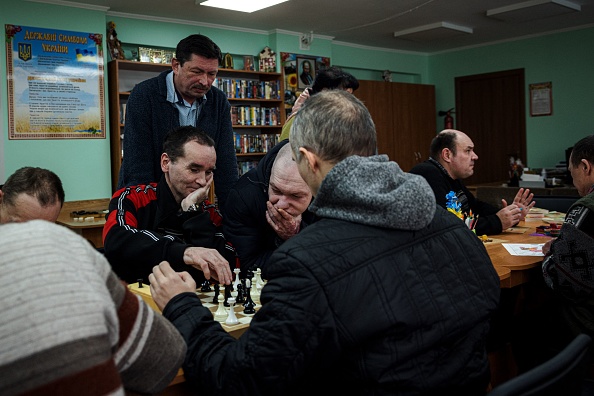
[(55, 84)]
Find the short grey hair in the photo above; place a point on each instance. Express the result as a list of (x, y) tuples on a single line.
[(334, 125)]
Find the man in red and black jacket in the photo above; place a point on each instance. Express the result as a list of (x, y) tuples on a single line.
[(171, 220)]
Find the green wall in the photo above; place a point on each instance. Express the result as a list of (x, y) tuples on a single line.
[(83, 165), (565, 59)]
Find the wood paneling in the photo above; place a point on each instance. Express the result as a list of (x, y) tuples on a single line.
[(404, 117)]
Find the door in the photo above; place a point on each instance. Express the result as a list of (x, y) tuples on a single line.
[(490, 109), (404, 117)]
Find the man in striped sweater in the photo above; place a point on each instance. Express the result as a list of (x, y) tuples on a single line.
[(171, 220), (69, 326)]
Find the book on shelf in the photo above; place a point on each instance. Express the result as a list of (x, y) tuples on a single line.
[(244, 166), (249, 89), (255, 115), (254, 143)]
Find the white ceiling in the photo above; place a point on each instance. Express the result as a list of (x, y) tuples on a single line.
[(373, 22)]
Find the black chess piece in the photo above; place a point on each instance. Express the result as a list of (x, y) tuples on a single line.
[(240, 299), (140, 286), (228, 289), (215, 299), (205, 286), (249, 305)]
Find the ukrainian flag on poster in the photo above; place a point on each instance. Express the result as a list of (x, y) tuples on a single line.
[(85, 55)]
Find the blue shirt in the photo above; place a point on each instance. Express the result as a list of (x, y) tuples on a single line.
[(188, 113)]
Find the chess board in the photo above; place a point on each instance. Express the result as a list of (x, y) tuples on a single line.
[(207, 300)]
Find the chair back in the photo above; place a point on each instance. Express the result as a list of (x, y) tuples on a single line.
[(561, 375), (559, 203)]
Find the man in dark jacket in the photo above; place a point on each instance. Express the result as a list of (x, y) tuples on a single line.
[(452, 160), (171, 220), (181, 96), (266, 207), (568, 272), (385, 294)]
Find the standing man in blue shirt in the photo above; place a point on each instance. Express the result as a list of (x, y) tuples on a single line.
[(178, 97)]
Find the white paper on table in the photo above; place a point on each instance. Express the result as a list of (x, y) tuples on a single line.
[(524, 249)]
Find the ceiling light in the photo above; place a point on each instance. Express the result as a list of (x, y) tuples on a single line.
[(240, 5), (433, 31), (534, 9)]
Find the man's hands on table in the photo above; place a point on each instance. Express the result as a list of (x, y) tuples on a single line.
[(523, 199), (210, 262), (165, 283), (512, 214)]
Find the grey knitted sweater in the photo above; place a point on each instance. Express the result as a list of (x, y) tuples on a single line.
[(375, 191)]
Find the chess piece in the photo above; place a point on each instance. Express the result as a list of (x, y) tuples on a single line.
[(240, 299), (215, 298), (227, 295), (205, 286), (249, 305), (259, 280), (236, 271), (140, 286), (231, 318), (255, 293), (221, 313)]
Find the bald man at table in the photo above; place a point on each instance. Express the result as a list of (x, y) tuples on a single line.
[(451, 160)]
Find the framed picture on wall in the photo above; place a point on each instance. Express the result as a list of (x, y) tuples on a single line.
[(541, 99), (291, 68), (306, 68)]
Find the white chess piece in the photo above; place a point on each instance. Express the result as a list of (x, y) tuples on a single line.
[(231, 318), (221, 314), (259, 280), (255, 292), (236, 271)]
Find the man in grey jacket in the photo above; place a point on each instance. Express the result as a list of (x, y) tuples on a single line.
[(385, 294)]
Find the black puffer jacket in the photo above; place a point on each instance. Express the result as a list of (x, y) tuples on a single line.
[(244, 223), (387, 294)]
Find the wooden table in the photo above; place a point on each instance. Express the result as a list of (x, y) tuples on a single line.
[(522, 268), (92, 230)]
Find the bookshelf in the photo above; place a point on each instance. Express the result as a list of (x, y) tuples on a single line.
[(257, 112), (257, 100)]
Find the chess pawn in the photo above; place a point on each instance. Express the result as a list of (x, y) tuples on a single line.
[(259, 280), (240, 299), (231, 318), (221, 313), (249, 305), (255, 293), (215, 298), (228, 289)]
